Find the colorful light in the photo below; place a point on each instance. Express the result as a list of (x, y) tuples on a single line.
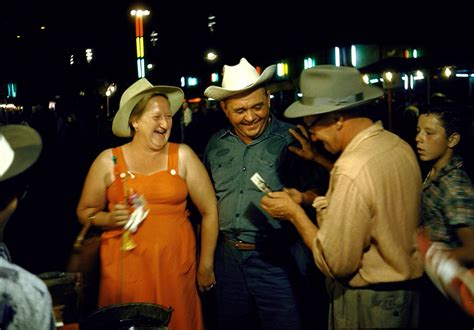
[(138, 14)]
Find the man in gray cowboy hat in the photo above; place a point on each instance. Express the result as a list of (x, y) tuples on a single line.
[(255, 270), (364, 241), (25, 302)]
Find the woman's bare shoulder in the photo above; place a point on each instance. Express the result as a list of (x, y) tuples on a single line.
[(105, 159), (105, 155), (186, 152)]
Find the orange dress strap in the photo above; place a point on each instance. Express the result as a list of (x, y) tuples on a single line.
[(120, 168), (119, 160), (173, 158)]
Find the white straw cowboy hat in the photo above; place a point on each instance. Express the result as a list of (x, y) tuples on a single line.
[(239, 78), (20, 147), (328, 88), (134, 94)]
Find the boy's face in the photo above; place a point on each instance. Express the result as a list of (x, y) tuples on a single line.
[(431, 138)]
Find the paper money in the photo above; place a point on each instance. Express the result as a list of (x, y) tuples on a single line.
[(260, 183)]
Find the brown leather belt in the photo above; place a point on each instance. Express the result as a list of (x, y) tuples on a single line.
[(241, 245)]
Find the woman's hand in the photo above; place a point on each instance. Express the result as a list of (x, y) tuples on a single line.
[(206, 278), (119, 215)]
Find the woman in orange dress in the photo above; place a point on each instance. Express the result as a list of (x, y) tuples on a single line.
[(137, 194)]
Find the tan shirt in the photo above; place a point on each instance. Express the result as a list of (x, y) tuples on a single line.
[(370, 213)]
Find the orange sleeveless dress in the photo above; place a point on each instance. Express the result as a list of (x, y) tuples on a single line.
[(161, 269)]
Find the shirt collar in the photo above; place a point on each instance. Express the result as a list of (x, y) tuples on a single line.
[(273, 128), (454, 163), (374, 129)]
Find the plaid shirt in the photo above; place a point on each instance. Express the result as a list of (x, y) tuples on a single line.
[(448, 203)]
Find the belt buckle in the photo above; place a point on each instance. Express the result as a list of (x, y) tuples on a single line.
[(241, 245), (238, 244)]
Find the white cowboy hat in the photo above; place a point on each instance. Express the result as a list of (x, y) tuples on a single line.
[(20, 147), (328, 88), (239, 78), (134, 94)]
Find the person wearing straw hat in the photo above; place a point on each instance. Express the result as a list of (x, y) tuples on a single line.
[(137, 194), (364, 239), (25, 300), (255, 269)]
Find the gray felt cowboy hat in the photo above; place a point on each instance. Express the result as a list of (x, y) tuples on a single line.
[(239, 78), (20, 147), (328, 88), (134, 94)]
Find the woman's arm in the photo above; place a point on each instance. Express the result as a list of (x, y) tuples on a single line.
[(93, 201), (203, 196)]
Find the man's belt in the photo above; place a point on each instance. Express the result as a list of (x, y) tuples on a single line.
[(241, 245)]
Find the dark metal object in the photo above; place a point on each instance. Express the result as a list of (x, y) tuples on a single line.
[(129, 316)]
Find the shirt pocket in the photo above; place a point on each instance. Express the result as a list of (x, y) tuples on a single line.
[(268, 170), (223, 173)]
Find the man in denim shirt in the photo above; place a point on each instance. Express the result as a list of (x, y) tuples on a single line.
[(255, 270)]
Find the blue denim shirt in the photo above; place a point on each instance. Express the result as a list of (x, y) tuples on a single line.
[(231, 163)]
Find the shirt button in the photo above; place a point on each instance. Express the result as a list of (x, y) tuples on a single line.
[(241, 191), (244, 169), (237, 215)]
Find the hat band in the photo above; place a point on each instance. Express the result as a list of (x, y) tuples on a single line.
[(7, 155), (315, 101)]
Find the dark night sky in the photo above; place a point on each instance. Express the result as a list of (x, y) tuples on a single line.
[(258, 30)]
